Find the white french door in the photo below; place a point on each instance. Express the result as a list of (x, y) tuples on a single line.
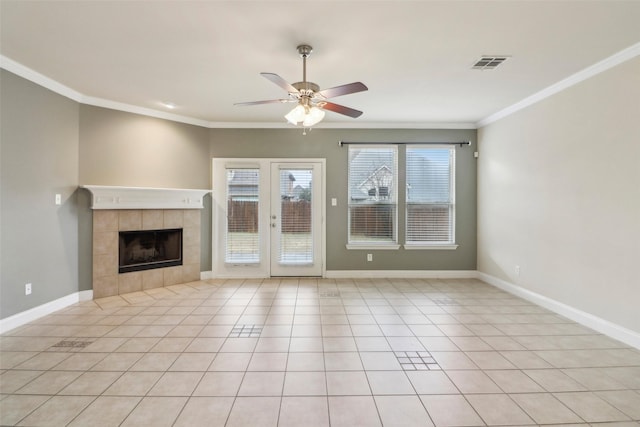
[(296, 220), (268, 217)]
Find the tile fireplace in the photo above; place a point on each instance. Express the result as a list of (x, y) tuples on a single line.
[(144, 241)]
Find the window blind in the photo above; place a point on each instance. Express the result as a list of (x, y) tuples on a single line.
[(373, 194), (242, 244), (430, 213)]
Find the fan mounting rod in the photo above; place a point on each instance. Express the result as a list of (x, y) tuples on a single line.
[(304, 50)]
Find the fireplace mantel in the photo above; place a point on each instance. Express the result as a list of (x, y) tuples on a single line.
[(109, 197)]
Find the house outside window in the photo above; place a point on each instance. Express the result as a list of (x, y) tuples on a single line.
[(428, 206), (373, 177)]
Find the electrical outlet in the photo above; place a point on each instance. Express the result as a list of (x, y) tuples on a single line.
[(369, 257), (517, 270), (27, 289)]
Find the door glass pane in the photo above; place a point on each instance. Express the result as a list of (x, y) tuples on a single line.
[(296, 238), (243, 239)]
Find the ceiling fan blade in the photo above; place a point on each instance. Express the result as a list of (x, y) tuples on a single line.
[(341, 109), (343, 90), (269, 101), (280, 82)]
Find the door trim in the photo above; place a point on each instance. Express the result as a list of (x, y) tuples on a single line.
[(313, 269), (218, 215)]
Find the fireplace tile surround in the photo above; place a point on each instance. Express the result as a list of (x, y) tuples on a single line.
[(106, 225)]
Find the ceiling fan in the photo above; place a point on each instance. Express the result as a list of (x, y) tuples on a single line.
[(311, 100)]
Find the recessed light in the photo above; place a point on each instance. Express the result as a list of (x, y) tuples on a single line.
[(169, 105)]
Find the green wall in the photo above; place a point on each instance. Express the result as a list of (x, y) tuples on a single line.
[(559, 185), (125, 149), (39, 159), (132, 150), (52, 145), (323, 143)]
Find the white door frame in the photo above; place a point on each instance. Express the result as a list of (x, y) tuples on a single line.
[(313, 269), (220, 269)]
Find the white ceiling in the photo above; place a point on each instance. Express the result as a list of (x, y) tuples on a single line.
[(415, 56)]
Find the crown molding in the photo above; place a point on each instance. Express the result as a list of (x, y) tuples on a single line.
[(120, 106), (48, 83), (39, 79), (591, 71), (345, 125)]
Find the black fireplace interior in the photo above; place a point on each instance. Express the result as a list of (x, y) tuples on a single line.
[(148, 249)]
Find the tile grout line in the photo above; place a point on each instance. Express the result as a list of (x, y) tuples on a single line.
[(475, 332)]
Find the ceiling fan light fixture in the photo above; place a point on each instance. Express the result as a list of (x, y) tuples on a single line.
[(309, 116), (296, 115), (313, 117), (311, 101)]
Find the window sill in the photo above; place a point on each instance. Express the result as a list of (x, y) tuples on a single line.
[(437, 247), (369, 247)]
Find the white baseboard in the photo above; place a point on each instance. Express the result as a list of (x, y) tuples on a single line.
[(401, 274), (204, 275), (603, 326), (596, 323), (211, 275), (35, 313), (369, 274)]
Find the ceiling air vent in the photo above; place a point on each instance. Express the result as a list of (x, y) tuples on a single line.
[(489, 62)]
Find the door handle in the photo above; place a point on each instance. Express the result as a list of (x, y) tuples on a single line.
[(274, 225)]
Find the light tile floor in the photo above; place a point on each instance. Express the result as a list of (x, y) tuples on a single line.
[(315, 352)]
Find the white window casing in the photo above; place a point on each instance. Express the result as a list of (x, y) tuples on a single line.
[(373, 197), (430, 201)]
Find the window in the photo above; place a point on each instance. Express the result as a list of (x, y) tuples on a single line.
[(373, 195), (243, 240), (430, 210)]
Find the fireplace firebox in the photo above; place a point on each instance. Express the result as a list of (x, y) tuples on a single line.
[(149, 249)]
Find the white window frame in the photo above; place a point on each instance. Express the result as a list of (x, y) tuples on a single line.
[(389, 245), (258, 258), (439, 245)]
